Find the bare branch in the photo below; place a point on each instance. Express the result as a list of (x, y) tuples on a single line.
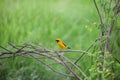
[(52, 55), (67, 67), (87, 50), (50, 67), (98, 11), (4, 48)]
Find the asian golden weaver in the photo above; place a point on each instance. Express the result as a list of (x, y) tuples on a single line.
[(61, 44)]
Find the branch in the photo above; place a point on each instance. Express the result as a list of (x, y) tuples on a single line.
[(87, 50), (37, 59), (117, 7), (5, 49), (31, 50), (67, 67), (98, 11), (116, 59), (42, 51)]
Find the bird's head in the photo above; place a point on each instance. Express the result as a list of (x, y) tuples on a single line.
[(57, 40)]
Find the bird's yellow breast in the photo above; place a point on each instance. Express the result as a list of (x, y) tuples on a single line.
[(61, 45)]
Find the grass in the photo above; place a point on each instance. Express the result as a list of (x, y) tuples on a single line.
[(41, 22)]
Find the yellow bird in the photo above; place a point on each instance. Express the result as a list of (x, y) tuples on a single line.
[(61, 44)]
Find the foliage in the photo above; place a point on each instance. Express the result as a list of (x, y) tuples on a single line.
[(105, 62), (76, 22)]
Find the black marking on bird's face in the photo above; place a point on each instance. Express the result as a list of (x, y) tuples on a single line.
[(57, 40)]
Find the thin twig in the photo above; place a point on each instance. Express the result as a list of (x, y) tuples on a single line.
[(98, 11), (75, 66), (87, 50), (116, 60), (67, 67), (5, 49), (50, 67)]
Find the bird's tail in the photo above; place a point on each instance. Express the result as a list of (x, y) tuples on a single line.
[(68, 48)]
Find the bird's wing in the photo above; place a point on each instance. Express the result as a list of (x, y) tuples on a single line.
[(64, 44)]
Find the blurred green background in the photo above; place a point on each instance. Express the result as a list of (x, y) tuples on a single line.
[(41, 22)]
